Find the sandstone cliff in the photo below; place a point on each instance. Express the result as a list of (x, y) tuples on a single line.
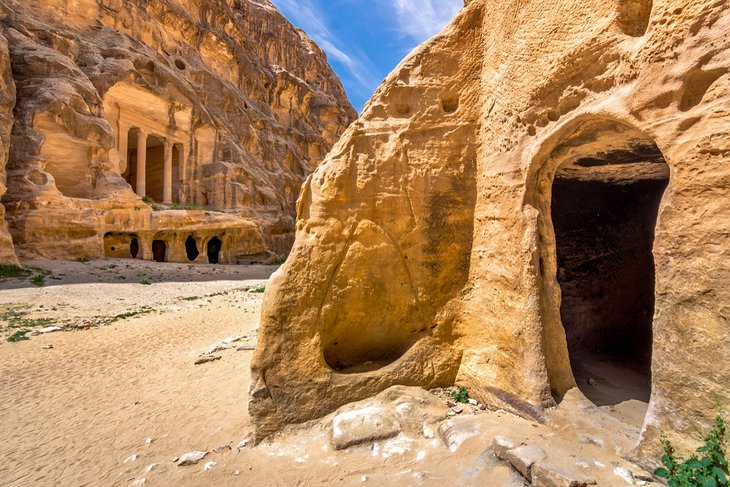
[(540, 191), (224, 104)]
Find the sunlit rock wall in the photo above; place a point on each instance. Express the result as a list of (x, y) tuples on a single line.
[(425, 250), (247, 102)]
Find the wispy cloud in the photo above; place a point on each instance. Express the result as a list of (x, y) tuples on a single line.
[(309, 17), (422, 19)]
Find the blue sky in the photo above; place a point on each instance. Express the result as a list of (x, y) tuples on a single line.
[(365, 39)]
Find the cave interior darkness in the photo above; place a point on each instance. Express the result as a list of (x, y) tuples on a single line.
[(604, 212)]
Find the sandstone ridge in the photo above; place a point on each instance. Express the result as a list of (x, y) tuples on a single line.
[(195, 105)]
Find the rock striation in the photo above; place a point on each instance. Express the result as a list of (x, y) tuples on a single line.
[(534, 199), (196, 105)]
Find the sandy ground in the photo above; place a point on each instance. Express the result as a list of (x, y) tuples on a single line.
[(114, 402)]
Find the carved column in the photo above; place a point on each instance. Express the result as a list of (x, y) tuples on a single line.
[(123, 147), (142, 163), (167, 174)]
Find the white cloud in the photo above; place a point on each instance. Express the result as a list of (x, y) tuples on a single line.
[(422, 19)]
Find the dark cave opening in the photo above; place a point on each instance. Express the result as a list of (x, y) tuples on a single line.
[(604, 213)]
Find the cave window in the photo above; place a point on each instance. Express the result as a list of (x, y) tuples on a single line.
[(604, 210), (134, 248), (159, 250), (214, 250), (191, 248)]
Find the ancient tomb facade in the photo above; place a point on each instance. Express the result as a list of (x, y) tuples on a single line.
[(156, 121), (536, 196)]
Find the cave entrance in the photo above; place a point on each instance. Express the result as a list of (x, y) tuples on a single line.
[(159, 250), (605, 202), (214, 250), (191, 248), (134, 248)]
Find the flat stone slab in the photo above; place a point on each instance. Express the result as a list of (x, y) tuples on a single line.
[(547, 475), (357, 426), (524, 457)]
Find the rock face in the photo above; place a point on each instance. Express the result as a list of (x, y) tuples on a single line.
[(219, 105), (7, 103), (536, 186)]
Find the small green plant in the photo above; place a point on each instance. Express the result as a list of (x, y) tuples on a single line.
[(131, 314), (709, 471), (148, 200), (257, 289), (38, 280), (279, 261), (83, 260), (461, 395), (145, 282), (9, 271), (18, 336), (190, 298)]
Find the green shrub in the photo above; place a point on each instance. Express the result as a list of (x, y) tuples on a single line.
[(709, 471), (257, 289), (461, 395), (12, 271), (145, 282), (38, 280), (18, 336)]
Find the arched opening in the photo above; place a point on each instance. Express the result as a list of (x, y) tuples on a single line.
[(159, 250), (120, 245), (608, 183), (134, 248), (130, 172), (191, 248), (214, 250)]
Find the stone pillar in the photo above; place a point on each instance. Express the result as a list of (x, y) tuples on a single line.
[(142, 163), (123, 147), (182, 172), (167, 174)]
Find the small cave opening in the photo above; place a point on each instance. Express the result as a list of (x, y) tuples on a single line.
[(191, 248), (214, 250), (159, 250), (605, 204), (134, 248)]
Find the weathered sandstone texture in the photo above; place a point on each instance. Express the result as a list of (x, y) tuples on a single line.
[(7, 103), (198, 105), (543, 187)]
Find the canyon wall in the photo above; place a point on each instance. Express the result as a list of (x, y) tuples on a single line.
[(129, 109), (428, 249)]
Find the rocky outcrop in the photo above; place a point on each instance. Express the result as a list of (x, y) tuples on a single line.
[(437, 241), (217, 105), (7, 103)]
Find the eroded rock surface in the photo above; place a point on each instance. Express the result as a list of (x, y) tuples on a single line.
[(428, 249), (195, 104)]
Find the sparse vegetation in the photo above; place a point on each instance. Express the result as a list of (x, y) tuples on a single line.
[(15, 319), (11, 271), (18, 336), (145, 282), (460, 395), (257, 289), (83, 260), (38, 280), (131, 314), (711, 470), (279, 261), (191, 298)]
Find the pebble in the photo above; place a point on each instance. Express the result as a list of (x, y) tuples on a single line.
[(191, 458), (591, 381), (140, 482), (457, 409), (242, 444), (218, 348), (236, 473), (148, 441), (473, 402), (245, 348), (131, 458), (47, 347), (207, 358), (50, 329), (209, 465), (150, 467)]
